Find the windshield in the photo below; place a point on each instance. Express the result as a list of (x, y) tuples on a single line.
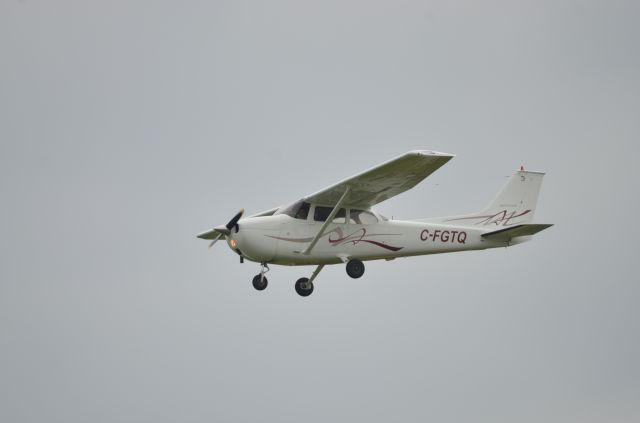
[(298, 210)]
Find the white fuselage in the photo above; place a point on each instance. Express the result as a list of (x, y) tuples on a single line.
[(280, 239), (336, 225)]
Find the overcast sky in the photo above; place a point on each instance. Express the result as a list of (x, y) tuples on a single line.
[(126, 127)]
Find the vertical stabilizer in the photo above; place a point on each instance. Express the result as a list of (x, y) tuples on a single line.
[(518, 198), (515, 204)]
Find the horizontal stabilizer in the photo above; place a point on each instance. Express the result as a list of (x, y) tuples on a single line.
[(515, 231)]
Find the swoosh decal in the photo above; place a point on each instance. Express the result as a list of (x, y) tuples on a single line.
[(501, 218), (353, 238)]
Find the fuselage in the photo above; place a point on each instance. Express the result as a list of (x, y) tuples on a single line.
[(281, 239), (336, 225)]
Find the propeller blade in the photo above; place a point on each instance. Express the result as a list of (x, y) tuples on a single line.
[(213, 233), (233, 222), (215, 240)]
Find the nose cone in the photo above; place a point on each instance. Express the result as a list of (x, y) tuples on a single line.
[(234, 238), (254, 239)]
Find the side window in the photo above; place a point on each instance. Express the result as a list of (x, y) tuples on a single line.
[(321, 214), (353, 216), (340, 217), (362, 217)]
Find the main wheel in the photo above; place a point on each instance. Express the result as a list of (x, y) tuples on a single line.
[(355, 268), (260, 282), (304, 288)]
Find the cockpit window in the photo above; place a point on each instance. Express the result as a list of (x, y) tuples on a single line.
[(362, 217), (321, 214), (303, 211), (298, 210)]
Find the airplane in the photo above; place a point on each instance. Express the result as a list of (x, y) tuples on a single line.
[(337, 224)]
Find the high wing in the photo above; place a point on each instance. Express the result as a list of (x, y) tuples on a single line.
[(383, 181)]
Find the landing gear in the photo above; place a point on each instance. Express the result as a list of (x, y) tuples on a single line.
[(355, 268), (260, 280), (304, 288)]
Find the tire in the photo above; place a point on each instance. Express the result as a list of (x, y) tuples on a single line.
[(301, 289), (260, 284), (355, 268)]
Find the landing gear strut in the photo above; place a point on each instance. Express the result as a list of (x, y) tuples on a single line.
[(355, 268), (304, 286), (260, 280)]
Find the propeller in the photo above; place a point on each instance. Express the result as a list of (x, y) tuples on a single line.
[(234, 222), (214, 240), (222, 230)]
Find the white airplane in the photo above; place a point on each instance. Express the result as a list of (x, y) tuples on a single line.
[(337, 225)]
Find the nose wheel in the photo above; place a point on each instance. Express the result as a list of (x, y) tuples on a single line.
[(260, 280)]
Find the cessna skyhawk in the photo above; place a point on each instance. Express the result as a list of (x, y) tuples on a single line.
[(337, 225)]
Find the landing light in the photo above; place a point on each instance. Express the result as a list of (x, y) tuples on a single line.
[(233, 243)]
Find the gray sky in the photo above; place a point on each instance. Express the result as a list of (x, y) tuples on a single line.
[(126, 127)]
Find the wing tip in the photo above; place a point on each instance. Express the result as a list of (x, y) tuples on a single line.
[(431, 153)]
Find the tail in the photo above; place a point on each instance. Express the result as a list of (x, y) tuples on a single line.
[(514, 205)]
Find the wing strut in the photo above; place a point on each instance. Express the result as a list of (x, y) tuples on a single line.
[(314, 241)]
